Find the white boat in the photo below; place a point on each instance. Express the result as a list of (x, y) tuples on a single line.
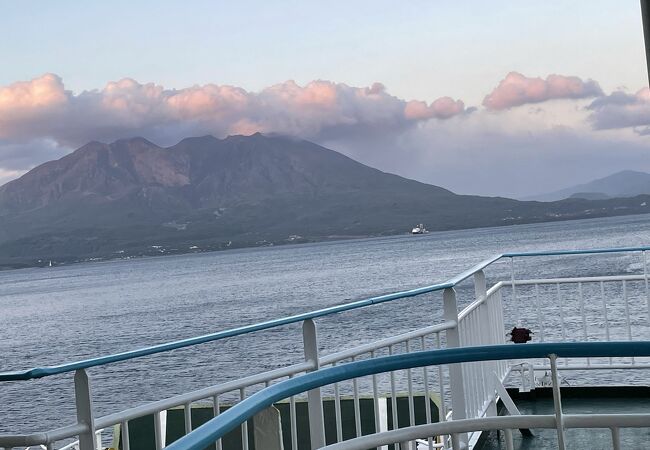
[(419, 229)]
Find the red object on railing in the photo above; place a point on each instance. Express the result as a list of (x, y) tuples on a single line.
[(520, 335)]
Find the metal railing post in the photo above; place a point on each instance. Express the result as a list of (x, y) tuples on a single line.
[(480, 285), (314, 400), (84, 402), (514, 292), (645, 278), (456, 381), (557, 403), (126, 445), (480, 290)]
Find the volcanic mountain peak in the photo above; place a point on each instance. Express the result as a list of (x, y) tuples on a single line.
[(242, 190)]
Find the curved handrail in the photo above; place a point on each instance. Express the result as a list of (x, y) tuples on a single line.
[(40, 372), (217, 427), (576, 252)]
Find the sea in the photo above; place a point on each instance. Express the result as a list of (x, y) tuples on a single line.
[(49, 316)]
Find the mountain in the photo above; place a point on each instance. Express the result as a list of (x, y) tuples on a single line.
[(627, 183), (133, 198)]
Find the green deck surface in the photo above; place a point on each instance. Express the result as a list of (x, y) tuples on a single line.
[(580, 401)]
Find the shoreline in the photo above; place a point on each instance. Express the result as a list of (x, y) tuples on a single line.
[(278, 244)]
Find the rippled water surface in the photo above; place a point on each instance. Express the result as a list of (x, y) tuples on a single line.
[(60, 314)]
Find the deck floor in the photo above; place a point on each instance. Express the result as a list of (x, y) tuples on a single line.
[(578, 439)]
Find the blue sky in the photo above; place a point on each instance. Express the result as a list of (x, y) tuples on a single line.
[(419, 50)]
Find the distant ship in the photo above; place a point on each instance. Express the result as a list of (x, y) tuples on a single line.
[(419, 229)]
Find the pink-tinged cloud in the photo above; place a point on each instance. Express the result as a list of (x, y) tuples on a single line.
[(43, 109), (442, 108), (516, 90), (43, 92), (621, 110), (34, 101)]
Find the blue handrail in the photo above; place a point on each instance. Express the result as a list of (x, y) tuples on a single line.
[(216, 428), (576, 252), (40, 372)]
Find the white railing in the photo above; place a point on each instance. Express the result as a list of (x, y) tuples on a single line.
[(451, 431), (404, 438), (612, 422), (467, 391), (481, 323), (409, 341), (604, 308)]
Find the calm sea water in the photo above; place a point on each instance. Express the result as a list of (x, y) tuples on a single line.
[(61, 314)]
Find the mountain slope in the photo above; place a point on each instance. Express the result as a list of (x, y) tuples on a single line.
[(627, 183), (132, 198)]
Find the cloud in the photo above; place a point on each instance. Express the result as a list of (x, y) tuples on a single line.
[(43, 109), (621, 110), (442, 108), (40, 93), (514, 153), (516, 90), (31, 102)]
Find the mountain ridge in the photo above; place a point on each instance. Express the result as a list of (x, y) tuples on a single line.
[(132, 198), (625, 183)]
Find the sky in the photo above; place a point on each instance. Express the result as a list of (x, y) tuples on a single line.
[(492, 98)]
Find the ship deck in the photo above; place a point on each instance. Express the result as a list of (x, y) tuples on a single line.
[(577, 400), (589, 328)]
